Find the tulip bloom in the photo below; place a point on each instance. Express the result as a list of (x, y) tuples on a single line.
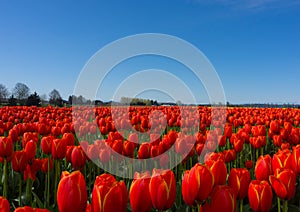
[(229, 155), (46, 144), (30, 149), (78, 158), (45, 165), (238, 144), (197, 184), (30, 209), (140, 199), (32, 168), (239, 179), (59, 149), (219, 170), (19, 161), (260, 195), (249, 164), (6, 147), (144, 151), (275, 126), (284, 183), (109, 194), (282, 159), (71, 192), (263, 167), (222, 199), (4, 205), (162, 189), (296, 159)]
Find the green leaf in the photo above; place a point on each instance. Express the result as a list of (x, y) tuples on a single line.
[(38, 201)]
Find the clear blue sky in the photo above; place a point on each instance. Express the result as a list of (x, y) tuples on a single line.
[(254, 45)]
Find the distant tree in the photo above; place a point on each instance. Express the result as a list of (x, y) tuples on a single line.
[(55, 98), (70, 100), (3, 93), (178, 102), (12, 101), (21, 92), (34, 100), (80, 100)]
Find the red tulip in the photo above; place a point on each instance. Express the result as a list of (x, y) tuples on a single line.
[(46, 144), (71, 192), (129, 148), (162, 189), (133, 137), (296, 159), (197, 184), (78, 158), (59, 149), (260, 195), (282, 159), (30, 209), (284, 183), (285, 146), (28, 136), (249, 164), (92, 152), (219, 170), (104, 155), (275, 126), (13, 134), (239, 179), (19, 161), (30, 149), (56, 131), (294, 137), (228, 130), (45, 165), (222, 199), (32, 168), (144, 151), (140, 199), (277, 140), (6, 147), (263, 167), (288, 126), (109, 194), (4, 205), (69, 139), (43, 129), (238, 145), (229, 155)]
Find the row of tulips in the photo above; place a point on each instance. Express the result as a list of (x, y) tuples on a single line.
[(38, 146)]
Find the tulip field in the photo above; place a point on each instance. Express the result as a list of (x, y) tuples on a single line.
[(51, 161)]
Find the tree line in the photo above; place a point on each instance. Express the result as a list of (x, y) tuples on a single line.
[(21, 95)]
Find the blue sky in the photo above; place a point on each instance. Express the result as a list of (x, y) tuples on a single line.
[(254, 45)]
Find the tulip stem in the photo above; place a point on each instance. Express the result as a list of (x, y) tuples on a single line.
[(28, 191), (5, 178), (285, 205), (20, 189), (48, 183), (241, 205), (278, 205), (256, 150), (57, 174)]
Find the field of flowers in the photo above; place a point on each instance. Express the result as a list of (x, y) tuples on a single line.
[(50, 161)]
